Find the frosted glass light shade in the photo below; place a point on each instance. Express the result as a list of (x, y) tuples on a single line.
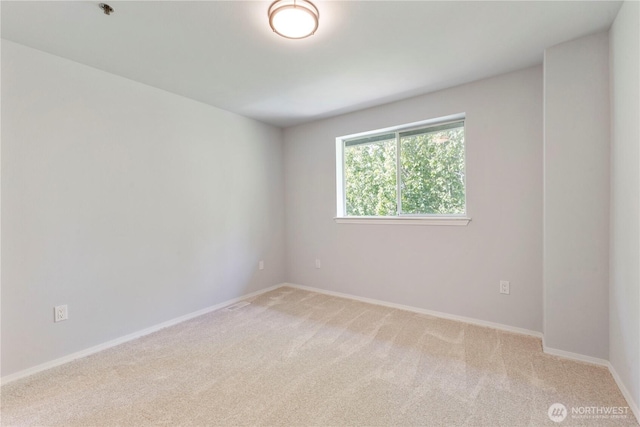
[(293, 19)]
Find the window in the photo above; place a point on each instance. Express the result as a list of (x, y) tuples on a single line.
[(410, 172)]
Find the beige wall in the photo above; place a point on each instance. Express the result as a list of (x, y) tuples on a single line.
[(455, 270), (624, 291), (576, 196), (131, 205)]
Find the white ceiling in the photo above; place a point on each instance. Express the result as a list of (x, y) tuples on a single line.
[(365, 53)]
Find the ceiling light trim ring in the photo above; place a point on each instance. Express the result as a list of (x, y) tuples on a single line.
[(302, 5)]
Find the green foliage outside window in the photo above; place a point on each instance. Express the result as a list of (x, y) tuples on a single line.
[(431, 173), (370, 179)]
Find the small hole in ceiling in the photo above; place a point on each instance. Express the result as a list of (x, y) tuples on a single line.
[(108, 10)]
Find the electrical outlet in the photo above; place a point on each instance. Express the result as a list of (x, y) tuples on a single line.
[(60, 313), (261, 265), (504, 287), (317, 263)]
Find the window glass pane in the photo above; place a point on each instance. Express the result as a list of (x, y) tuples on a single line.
[(432, 168), (370, 178)]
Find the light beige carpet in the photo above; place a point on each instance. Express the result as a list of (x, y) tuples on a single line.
[(300, 358)]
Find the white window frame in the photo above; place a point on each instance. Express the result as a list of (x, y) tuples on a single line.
[(406, 219)]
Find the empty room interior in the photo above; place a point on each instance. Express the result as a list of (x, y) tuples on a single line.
[(293, 212)]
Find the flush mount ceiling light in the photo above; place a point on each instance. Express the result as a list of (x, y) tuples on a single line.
[(293, 19)]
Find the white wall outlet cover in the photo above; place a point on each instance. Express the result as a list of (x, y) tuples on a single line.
[(317, 263), (60, 313), (261, 265), (504, 287)]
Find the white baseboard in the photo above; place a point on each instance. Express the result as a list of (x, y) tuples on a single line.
[(574, 356), (625, 392), (470, 320), (86, 352)]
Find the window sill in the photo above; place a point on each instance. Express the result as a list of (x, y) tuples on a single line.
[(404, 220)]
